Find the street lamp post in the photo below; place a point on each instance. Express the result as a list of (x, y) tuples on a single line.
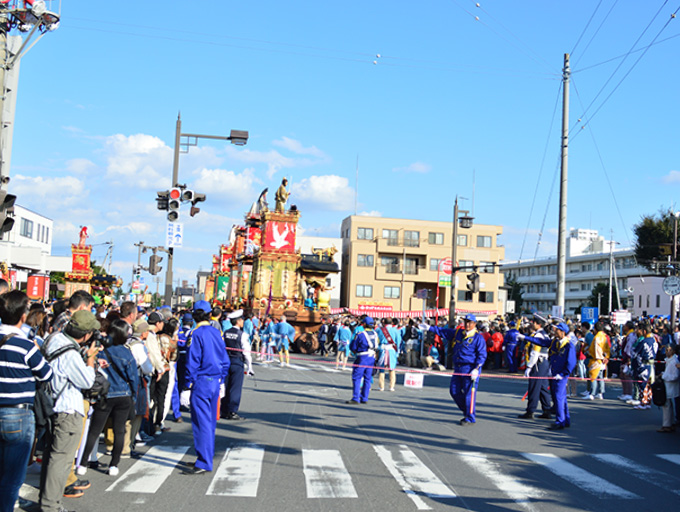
[(236, 137), (466, 223)]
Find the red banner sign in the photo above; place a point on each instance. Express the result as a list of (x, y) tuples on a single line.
[(35, 287), (280, 237)]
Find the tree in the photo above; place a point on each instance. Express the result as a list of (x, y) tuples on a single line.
[(652, 234), (602, 290), (515, 292)]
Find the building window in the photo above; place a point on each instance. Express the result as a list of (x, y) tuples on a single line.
[(585, 287), (434, 263), (365, 233), (391, 292), (464, 296), (435, 238), (483, 241), (365, 260), (586, 267), (391, 264), (328, 282), (412, 238), (391, 235), (364, 290), (462, 240), (639, 301), (487, 267), (47, 235), (26, 228), (486, 297), (411, 266), (647, 301), (658, 301)]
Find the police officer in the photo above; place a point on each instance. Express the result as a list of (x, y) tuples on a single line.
[(510, 344), (469, 354), (364, 346), (537, 369), (207, 367), (238, 347)]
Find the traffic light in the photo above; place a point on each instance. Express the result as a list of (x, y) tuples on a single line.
[(187, 195), (473, 282), (153, 264), (163, 199), (197, 198), (174, 202), (6, 211)]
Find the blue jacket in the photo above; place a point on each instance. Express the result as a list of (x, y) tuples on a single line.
[(207, 355), (562, 355), (364, 341), (121, 372), (285, 329), (468, 351), (510, 338)]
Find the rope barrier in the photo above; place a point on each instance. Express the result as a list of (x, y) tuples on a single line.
[(441, 373)]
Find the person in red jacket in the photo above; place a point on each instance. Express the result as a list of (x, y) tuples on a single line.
[(495, 344)]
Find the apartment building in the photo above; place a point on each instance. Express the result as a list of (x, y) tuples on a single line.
[(588, 263), (387, 262)]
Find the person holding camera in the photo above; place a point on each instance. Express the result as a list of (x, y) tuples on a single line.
[(73, 373)]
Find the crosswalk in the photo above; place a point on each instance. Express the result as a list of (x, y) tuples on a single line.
[(326, 476)]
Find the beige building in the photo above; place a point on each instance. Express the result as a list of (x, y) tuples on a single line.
[(386, 262)]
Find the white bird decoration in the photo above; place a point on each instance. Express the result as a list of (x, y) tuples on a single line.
[(279, 238)]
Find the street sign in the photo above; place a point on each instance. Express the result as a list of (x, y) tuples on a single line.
[(446, 266), (174, 234), (422, 293), (622, 316), (590, 315)]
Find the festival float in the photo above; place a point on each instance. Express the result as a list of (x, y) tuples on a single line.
[(260, 270)]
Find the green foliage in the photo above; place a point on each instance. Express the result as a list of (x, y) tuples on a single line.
[(602, 289), (651, 233), (515, 292)]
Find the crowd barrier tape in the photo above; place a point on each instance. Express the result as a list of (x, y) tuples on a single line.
[(408, 369)]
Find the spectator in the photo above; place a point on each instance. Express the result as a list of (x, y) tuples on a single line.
[(670, 377), (342, 338), (160, 380), (21, 365), (79, 301)]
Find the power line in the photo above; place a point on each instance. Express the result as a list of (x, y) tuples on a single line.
[(586, 27), (597, 31)]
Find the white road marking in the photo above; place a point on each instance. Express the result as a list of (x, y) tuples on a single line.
[(518, 491), (239, 472), (649, 475), (414, 477), (580, 477), (148, 474), (326, 475), (671, 457)]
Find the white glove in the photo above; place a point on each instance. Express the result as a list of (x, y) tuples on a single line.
[(527, 372), (557, 377), (474, 374), (251, 373), (521, 337), (185, 398), (222, 390)]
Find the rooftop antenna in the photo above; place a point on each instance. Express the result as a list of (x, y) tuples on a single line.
[(356, 186)]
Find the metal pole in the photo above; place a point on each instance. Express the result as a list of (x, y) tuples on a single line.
[(403, 270), (611, 273), (137, 270), (3, 93), (675, 258), (175, 180), (454, 243), (562, 228)]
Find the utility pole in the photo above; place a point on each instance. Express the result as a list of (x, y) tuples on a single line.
[(611, 271), (675, 259), (562, 227), (454, 243), (175, 180)]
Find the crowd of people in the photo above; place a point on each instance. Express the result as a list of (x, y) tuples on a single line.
[(72, 372)]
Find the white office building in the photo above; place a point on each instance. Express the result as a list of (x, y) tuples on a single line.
[(588, 263)]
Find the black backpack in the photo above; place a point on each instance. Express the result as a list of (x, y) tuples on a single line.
[(43, 404), (659, 393)]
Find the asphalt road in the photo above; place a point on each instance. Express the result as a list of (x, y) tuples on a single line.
[(301, 448)]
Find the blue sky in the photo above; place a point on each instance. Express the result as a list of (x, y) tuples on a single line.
[(425, 95)]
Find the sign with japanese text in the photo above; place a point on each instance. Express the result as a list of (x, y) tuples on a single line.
[(174, 235)]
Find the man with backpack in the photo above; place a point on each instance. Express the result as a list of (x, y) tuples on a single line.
[(21, 366), (73, 373)]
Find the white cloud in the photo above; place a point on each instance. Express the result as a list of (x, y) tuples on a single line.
[(49, 192), (80, 165), (274, 160), (135, 228), (672, 177), (372, 213), (296, 146), (228, 184), (142, 157), (418, 167), (331, 191)]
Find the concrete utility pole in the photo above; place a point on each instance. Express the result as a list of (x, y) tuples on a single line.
[(562, 227), (454, 244)]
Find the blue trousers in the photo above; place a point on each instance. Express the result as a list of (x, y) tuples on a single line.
[(360, 390), (538, 388), (233, 387), (205, 394), (464, 391), (558, 390), (17, 427), (510, 359)]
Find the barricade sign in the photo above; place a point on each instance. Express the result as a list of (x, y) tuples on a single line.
[(413, 380)]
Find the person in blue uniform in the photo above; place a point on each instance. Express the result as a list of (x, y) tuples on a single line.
[(469, 354), (537, 369), (364, 345), (510, 345), (238, 348), (286, 334), (207, 367), (180, 364)]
